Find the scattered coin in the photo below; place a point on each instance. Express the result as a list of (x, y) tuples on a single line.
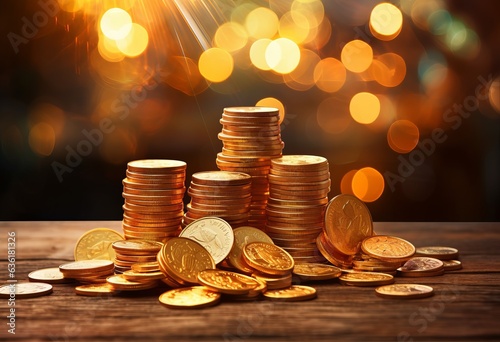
[(242, 236), (25, 290), (366, 279), (95, 290), (404, 291), (227, 282), (388, 248), (315, 271), (48, 275), (119, 282), (189, 297), (452, 265), (268, 258), (96, 244), (421, 267), (292, 293), (438, 252)]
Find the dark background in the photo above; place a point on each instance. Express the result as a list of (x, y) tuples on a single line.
[(458, 182)]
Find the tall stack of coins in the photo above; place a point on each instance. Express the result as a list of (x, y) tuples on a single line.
[(298, 194), (347, 223), (251, 138), (153, 192), (223, 194)]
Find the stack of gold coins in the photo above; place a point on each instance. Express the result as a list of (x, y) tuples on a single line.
[(153, 192), (130, 252), (298, 194), (347, 223), (88, 271), (251, 138), (222, 194)]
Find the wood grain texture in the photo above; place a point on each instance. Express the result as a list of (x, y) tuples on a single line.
[(465, 307)]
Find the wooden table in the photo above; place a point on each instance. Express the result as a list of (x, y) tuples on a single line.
[(465, 307)]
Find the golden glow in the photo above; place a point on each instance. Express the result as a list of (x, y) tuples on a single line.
[(216, 64), (386, 21), (108, 50), (364, 107), (346, 183), (116, 23), (389, 69), (42, 139), (331, 117), (185, 76), (368, 184), (494, 94), (282, 55), (71, 5), (302, 77), (258, 53), (274, 103), (403, 136), (262, 23), (135, 42), (329, 75), (294, 27), (312, 10), (357, 56), (231, 37)]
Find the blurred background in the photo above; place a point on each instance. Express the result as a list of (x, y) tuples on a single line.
[(402, 97)]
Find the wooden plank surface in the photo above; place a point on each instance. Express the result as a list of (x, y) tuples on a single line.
[(465, 307)]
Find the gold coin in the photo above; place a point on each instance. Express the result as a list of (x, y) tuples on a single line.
[(292, 293), (274, 282), (404, 291), (221, 178), (96, 244), (189, 297), (86, 266), (268, 258), (315, 271), (331, 253), (242, 236), (137, 247), (388, 248), (347, 223), (95, 290), (184, 258), (227, 282), (25, 290), (132, 275), (173, 180), (366, 279), (156, 166), (452, 265), (421, 265), (146, 266), (48, 275), (119, 282), (213, 233), (254, 111), (438, 252), (300, 162)]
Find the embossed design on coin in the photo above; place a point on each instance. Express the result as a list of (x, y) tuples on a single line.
[(227, 282), (315, 271), (97, 244), (438, 252), (243, 236), (213, 233), (388, 247), (292, 293), (404, 291), (48, 275), (366, 278), (422, 264), (189, 297), (268, 258), (347, 223), (25, 290)]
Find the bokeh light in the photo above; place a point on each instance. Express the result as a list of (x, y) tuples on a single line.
[(273, 103), (368, 184), (357, 55), (386, 21), (71, 5), (346, 182), (116, 23), (258, 53), (389, 69), (302, 77), (313, 10), (329, 75), (403, 136), (42, 139), (364, 107), (282, 55), (231, 36), (185, 76), (262, 23), (216, 64), (135, 42), (294, 27), (494, 94), (109, 50), (331, 118)]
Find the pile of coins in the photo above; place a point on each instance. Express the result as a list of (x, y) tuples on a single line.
[(223, 194), (129, 252), (153, 191), (88, 271), (251, 138), (298, 195)]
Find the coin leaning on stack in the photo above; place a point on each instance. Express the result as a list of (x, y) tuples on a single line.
[(153, 191), (251, 138), (298, 194), (223, 194)]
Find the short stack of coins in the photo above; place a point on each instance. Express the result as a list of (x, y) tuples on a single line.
[(130, 252), (298, 194), (88, 271), (223, 194), (153, 192), (251, 138)]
